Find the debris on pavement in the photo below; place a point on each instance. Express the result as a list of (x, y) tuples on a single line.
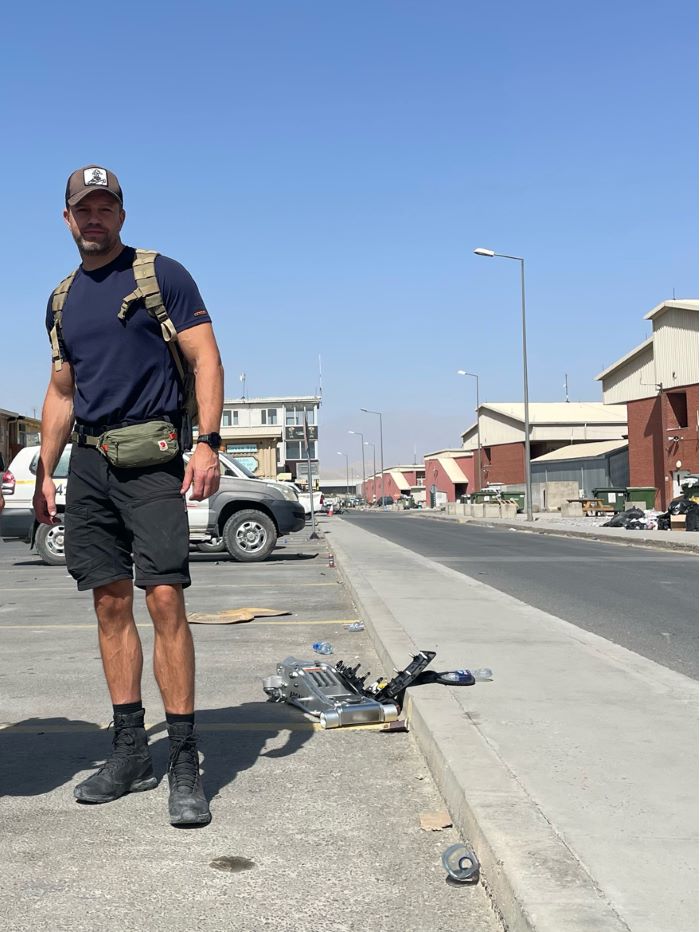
[(461, 864), (234, 865), (322, 647), (355, 626), (234, 616), (399, 724), (435, 821)]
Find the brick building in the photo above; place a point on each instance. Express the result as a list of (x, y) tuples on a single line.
[(658, 382), (449, 474), (398, 481), (553, 425)]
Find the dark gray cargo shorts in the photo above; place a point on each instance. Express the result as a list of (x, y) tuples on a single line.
[(125, 522)]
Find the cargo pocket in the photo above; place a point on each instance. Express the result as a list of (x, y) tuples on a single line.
[(161, 539), (78, 547)]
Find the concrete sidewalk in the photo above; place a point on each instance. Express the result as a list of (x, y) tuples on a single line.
[(554, 523), (574, 772)]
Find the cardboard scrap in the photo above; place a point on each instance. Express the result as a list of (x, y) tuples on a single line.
[(435, 821), (234, 616)]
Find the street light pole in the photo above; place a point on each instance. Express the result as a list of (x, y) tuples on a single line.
[(478, 429), (528, 475), (368, 443), (362, 444), (347, 473), (381, 449)]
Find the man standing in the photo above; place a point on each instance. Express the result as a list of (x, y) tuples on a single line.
[(117, 327)]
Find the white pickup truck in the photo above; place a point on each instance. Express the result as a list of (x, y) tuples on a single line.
[(305, 500)]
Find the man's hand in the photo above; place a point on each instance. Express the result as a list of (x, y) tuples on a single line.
[(45, 502), (202, 473)]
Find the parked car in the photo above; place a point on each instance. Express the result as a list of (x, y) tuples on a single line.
[(245, 517), (305, 499), (384, 500)]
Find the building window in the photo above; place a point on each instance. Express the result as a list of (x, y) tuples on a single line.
[(268, 416), (296, 450), (679, 406), (229, 419), (294, 415)]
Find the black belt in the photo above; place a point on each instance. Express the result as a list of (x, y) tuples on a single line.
[(86, 435)]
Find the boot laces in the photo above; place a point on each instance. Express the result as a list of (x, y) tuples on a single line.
[(184, 761), (123, 742)]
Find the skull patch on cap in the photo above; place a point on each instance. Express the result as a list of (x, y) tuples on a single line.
[(95, 176)]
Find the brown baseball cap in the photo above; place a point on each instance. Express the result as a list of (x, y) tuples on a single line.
[(84, 181)]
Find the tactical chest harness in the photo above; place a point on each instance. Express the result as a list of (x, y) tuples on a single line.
[(148, 291)]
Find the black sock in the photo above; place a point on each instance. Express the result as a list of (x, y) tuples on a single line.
[(128, 708), (174, 718)]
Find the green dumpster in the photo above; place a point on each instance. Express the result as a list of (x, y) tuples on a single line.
[(485, 495), (517, 497), (642, 493), (612, 498)]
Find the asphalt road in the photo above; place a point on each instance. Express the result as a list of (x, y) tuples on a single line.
[(642, 599), (327, 821)]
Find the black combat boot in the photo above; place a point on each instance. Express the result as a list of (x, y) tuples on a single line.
[(127, 770), (187, 803)]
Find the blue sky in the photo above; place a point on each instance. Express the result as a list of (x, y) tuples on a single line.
[(326, 169)]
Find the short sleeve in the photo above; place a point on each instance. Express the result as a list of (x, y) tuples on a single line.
[(181, 295)]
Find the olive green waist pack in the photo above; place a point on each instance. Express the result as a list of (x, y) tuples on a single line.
[(135, 445)]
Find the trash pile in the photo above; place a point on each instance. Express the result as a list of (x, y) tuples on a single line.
[(634, 519)]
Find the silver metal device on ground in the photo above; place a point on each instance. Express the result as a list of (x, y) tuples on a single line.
[(337, 696), (321, 690)]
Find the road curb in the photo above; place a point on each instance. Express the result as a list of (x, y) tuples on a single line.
[(534, 880), (597, 535)]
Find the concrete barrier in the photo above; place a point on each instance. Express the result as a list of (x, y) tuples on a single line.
[(476, 510), (508, 509), (492, 510), (571, 510)]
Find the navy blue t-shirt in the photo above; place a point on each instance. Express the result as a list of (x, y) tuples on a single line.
[(123, 369)]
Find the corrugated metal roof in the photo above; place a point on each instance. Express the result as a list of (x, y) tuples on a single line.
[(399, 479), (454, 473), (582, 451), (562, 412), (454, 453), (683, 304)]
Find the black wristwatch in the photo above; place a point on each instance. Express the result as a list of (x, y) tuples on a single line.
[(213, 440)]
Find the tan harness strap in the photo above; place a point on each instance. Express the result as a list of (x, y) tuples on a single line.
[(148, 290), (58, 300)]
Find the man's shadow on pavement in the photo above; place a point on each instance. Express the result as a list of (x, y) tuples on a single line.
[(38, 755)]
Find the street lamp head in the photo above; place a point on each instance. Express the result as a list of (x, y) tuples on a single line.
[(461, 372), (340, 454), (484, 252)]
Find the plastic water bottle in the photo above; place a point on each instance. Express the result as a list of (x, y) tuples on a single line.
[(355, 626), (456, 678), (322, 647), (483, 675)]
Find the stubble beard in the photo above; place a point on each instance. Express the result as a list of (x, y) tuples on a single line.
[(87, 247)]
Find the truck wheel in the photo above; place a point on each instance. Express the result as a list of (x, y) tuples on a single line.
[(215, 545), (49, 544), (249, 536)]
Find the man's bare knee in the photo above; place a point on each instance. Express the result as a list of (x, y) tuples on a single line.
[(114, 602)]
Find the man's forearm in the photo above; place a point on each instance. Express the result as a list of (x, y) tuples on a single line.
[(209, 388), (56, 424)]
